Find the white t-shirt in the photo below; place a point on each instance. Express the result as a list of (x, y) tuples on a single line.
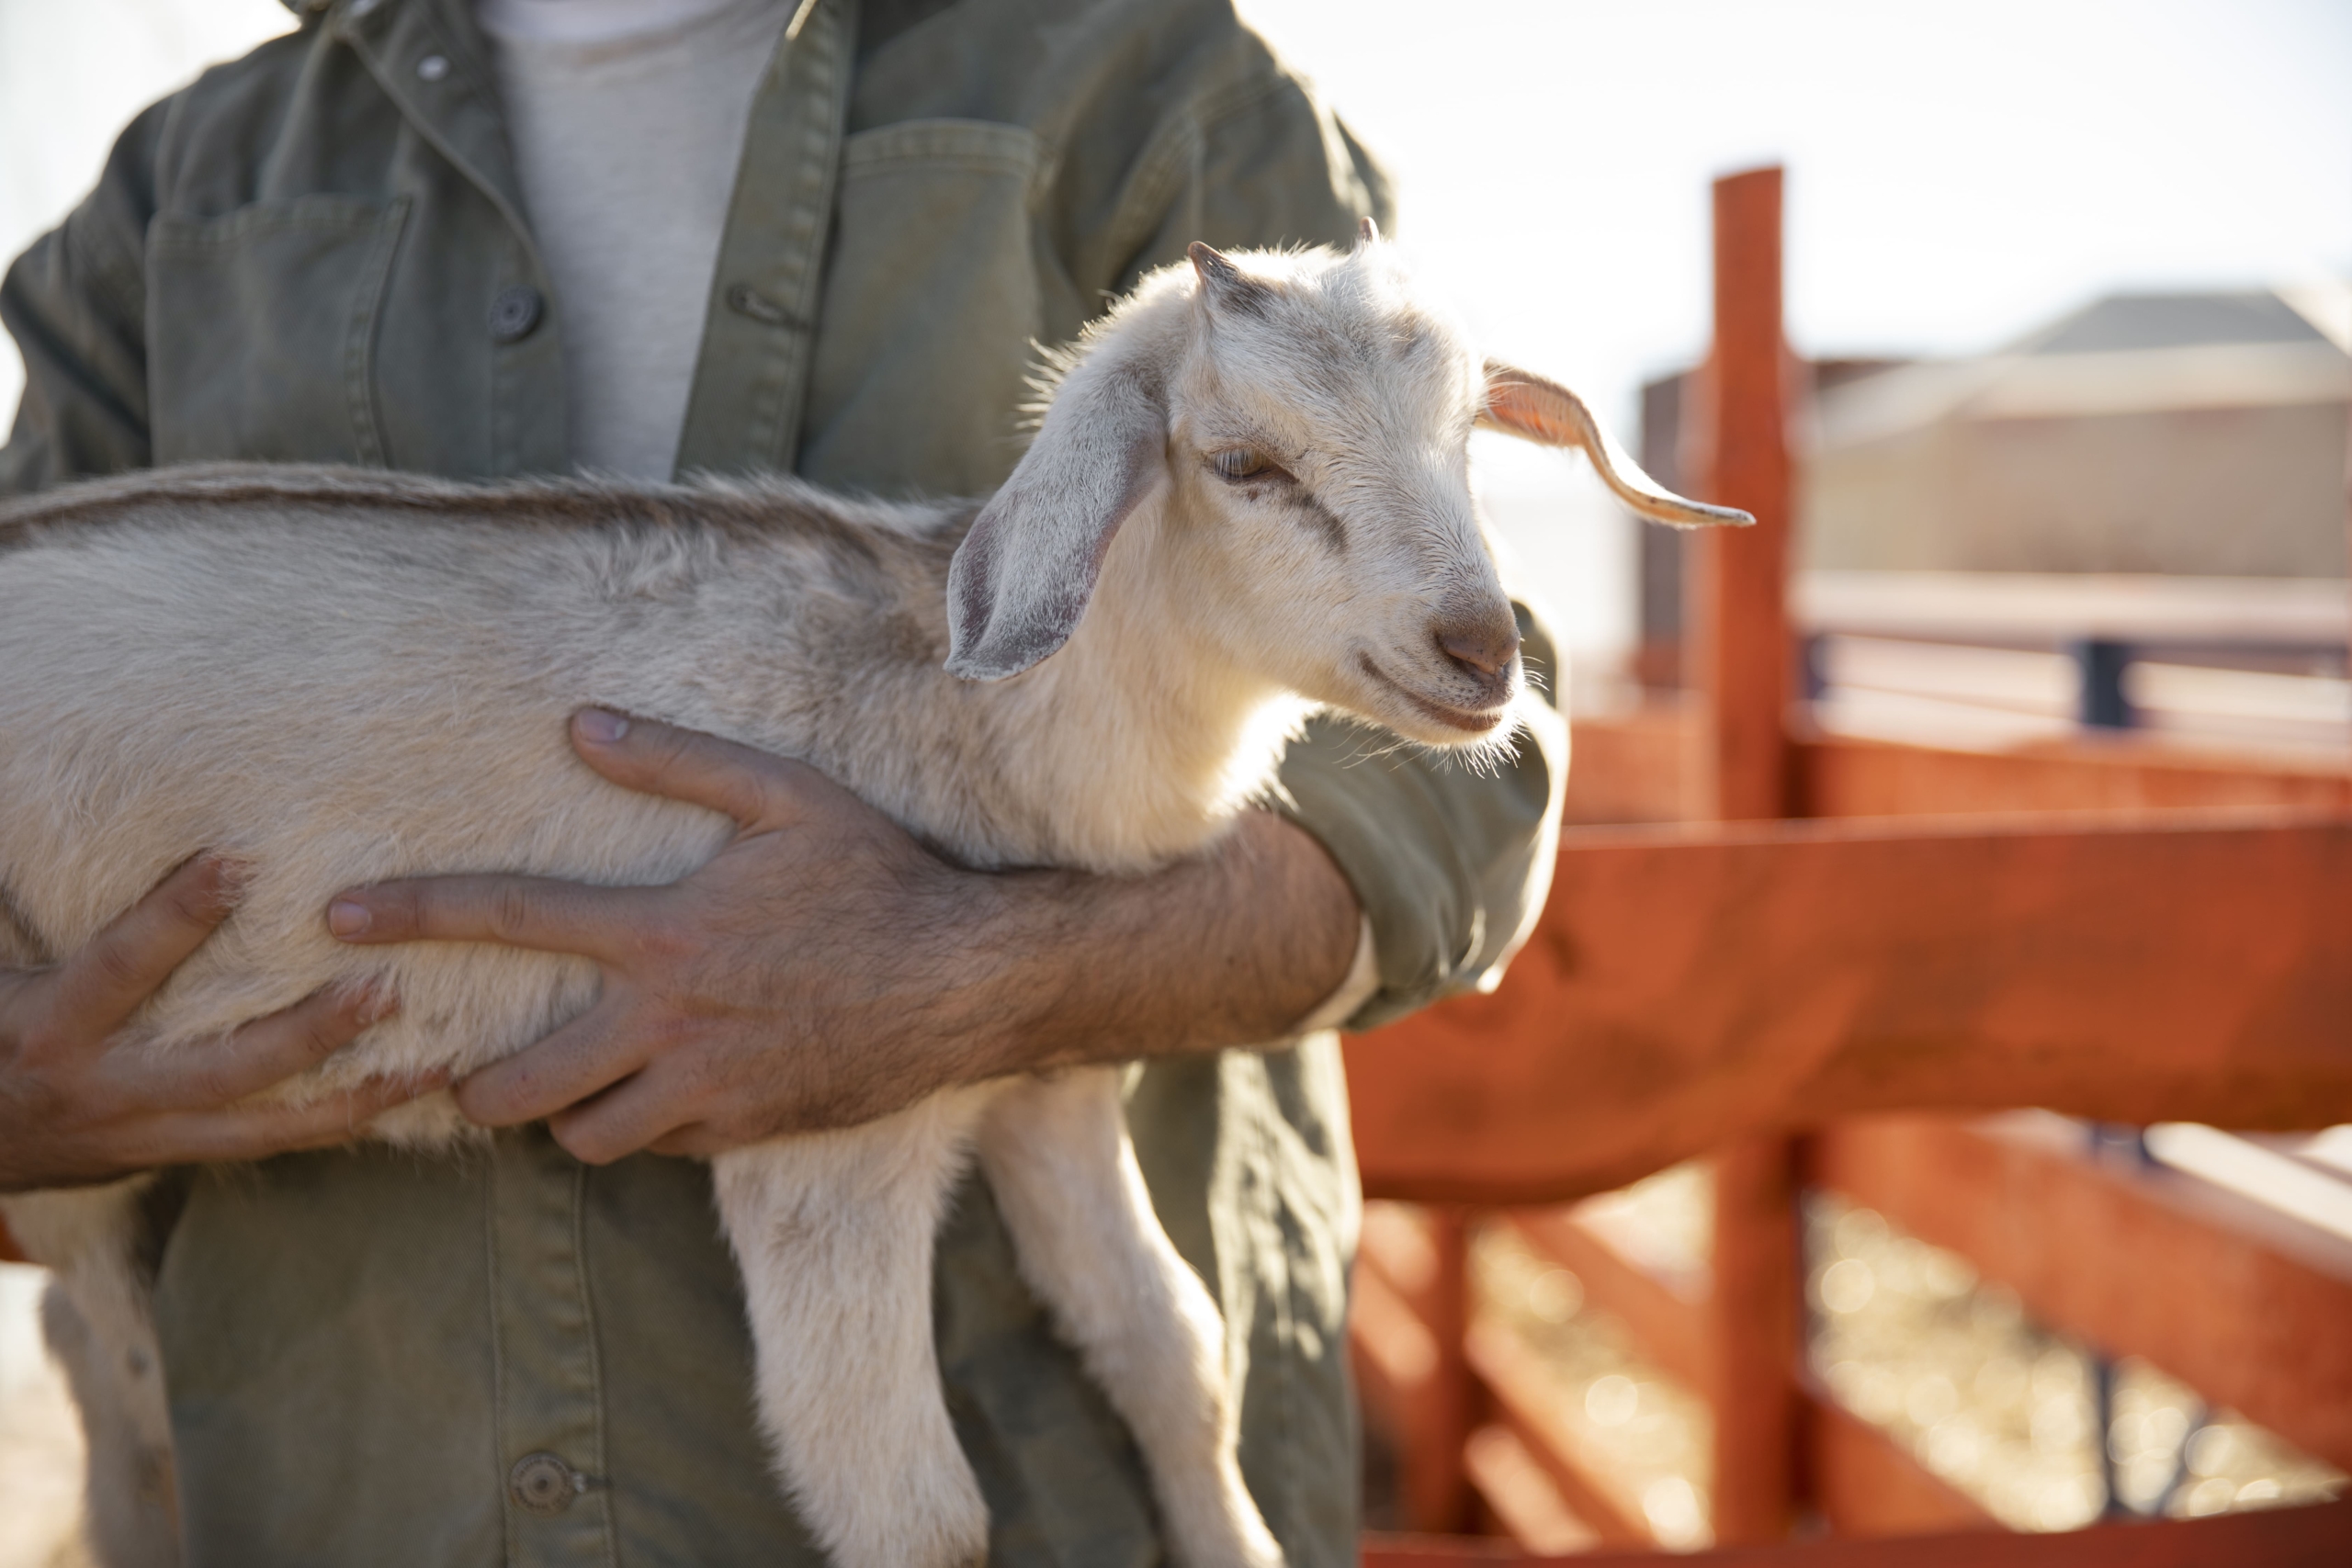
[(627, 119)]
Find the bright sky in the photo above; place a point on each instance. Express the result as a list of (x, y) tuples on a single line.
[(1957, 174)]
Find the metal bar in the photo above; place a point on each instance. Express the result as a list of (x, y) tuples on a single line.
[(2100, 664)]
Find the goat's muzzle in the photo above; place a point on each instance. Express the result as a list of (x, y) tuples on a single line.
[(1484, 650)]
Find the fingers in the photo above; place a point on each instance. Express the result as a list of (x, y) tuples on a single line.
[(261, 1053), (584, 1057), (537, 912), (693, 1140), (251, 1133), (115, 970), (634, 1114), (686, 765)]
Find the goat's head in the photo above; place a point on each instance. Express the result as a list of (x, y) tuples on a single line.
[(1301, 421)]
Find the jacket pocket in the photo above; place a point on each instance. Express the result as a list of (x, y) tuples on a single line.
[(931, 303), (262, 330)]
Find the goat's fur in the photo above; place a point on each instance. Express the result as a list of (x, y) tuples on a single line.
[(338, 677)]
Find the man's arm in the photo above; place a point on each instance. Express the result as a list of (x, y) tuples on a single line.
[(826, 969), (75, 304)]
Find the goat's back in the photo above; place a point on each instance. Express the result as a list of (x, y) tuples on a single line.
[(342, 678)]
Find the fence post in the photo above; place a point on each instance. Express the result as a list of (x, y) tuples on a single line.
[(1436, 1478), (1741, 658)]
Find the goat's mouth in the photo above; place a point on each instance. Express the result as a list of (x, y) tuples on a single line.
[(1464, 721)]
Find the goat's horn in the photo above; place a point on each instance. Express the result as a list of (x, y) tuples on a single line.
[(1549, 414)]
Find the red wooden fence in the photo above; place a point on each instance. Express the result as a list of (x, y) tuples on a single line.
[(1750, 987)]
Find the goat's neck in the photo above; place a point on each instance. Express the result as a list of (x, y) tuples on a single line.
[(1144, 731)]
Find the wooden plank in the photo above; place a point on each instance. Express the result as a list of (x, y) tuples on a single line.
[(1863, 1484), (2055, 610), (1406, 1326), (1840, 776), (1393, 1354), (1637, 766), (1861, 1481), (1666, 1317), (1686, 988), (2250, 1310), (2318, 1536), (1385, 1549), (1521, 1495), (9, 1251), (1519, 1381), (1437, 1485), (1643, 766), (1753, 1318)]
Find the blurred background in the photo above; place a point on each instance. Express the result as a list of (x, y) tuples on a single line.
[(1962, 179), (2071, 285)]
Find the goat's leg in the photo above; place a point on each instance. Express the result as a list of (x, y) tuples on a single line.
[(1058, 1157), (834, 1233), (99, 1321)]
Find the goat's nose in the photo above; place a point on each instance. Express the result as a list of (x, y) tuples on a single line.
[(1488, 649)]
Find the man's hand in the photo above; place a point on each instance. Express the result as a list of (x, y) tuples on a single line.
[(78, 1105), (825, 968)]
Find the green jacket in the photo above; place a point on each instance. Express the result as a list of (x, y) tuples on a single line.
[(314, 255)]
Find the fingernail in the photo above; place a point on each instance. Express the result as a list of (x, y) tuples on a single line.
[(377, 1005), (599, 725), (347, 918)]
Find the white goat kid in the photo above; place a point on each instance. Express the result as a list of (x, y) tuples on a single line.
[(1249, 497)]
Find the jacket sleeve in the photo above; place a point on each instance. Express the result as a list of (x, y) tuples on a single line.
[(1451, 865), (75, 303)]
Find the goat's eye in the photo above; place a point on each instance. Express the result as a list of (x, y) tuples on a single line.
[(1242, 463)]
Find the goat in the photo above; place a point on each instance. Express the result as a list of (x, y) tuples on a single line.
[(1247, 497)]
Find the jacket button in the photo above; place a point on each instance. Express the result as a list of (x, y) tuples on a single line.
[(514, 312), (542, 1484)]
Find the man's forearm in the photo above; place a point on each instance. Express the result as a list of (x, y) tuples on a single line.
[(825, 969), (1233, 947)]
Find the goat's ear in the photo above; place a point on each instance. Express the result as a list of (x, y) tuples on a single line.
[(1367, 233), (1225, 286), (1024, 574), (1545, 412)]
